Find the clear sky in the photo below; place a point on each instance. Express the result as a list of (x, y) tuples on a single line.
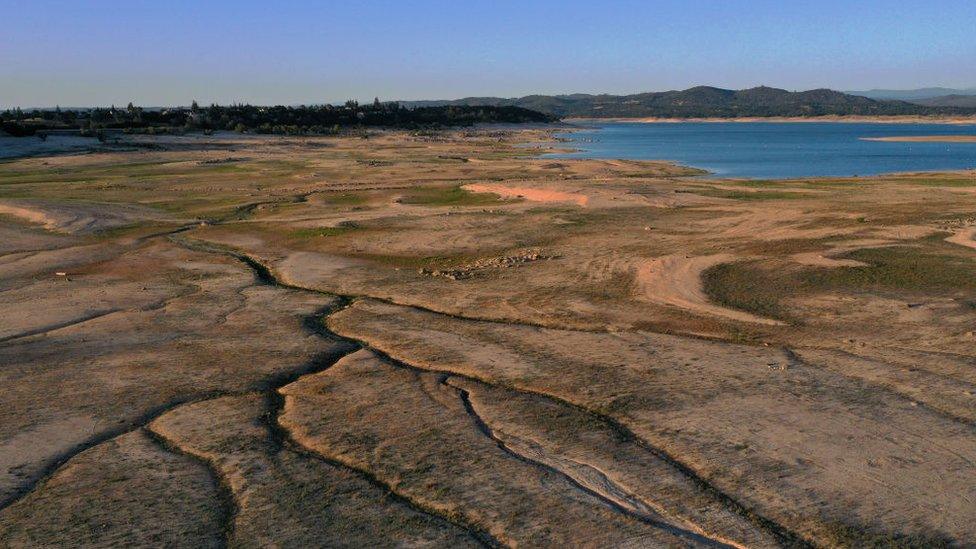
[(80, 53)]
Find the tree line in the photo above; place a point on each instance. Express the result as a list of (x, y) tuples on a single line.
[(289, 120)]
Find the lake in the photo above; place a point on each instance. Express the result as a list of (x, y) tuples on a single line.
[(777, 150)]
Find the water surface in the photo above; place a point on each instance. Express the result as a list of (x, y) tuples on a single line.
[(777, 149)]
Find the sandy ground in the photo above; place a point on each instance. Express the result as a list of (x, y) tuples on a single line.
[(964, 237), (926, 138), (439, 340), (79, 218), (533, 195)]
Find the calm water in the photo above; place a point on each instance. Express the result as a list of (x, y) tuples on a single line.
[(774, 150)]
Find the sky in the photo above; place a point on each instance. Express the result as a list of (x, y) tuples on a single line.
[(155, 53)]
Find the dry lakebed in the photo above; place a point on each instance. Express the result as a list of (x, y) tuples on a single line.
[(440, 339)]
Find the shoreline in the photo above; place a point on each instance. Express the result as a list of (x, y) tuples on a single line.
[(924, 139), (954, 120)]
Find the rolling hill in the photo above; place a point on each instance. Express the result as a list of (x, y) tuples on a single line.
[(707, 101), (953, 100), (913, 95)]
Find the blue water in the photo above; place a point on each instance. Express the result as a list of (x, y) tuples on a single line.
[(777, 150)]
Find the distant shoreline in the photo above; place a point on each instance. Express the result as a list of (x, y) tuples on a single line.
[(925, 138), (951, 120)]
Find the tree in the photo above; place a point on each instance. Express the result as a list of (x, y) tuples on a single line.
[(135, 113)]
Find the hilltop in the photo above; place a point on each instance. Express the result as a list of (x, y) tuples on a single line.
[(709, 102)]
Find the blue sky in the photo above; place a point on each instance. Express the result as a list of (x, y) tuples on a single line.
[(163, 53)]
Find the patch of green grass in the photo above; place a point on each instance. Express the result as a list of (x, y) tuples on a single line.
[(761, 183), (786, 246), (418, 262), (344, 199), (803, 183), (931, 268), (898, 269), (751, 195), (280, 165), (202, 206), (115, 172), (450, 196), (133, 229), (748, 287), (743, 337), (315, 232), (434, 262), (679, 171), (940, 182)]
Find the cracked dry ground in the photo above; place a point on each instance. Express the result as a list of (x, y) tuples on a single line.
[(440, 340)]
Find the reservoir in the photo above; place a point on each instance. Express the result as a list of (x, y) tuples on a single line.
[(777, 149)]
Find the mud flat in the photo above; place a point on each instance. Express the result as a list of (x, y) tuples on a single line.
[(441, 340)]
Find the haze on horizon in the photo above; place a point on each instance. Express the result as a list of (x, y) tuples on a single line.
[(155, 53)]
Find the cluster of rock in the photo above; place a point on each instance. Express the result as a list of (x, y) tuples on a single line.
[(959, 222), (473, 269)]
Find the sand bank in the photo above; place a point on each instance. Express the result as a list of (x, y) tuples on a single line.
[(925, 138)]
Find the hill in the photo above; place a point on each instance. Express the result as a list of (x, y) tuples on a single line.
[(953, 100), (706, 101), (912, 95)]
